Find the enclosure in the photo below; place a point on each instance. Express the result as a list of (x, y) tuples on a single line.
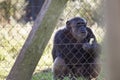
[(17, 19)]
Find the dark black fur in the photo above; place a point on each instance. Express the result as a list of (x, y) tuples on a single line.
[(72, 52)]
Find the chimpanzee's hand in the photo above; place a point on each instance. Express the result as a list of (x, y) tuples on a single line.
[(86, 46), (96, 47)]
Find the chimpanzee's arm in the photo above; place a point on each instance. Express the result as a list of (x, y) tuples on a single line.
[(56, 51), (90, 35), (91, 46)]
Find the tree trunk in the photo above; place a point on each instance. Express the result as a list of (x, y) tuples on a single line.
[(37, 40), (113, 39)]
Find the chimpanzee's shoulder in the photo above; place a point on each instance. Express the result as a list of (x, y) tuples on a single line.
[(61, 32), (59, 36), (88, 29), (90, 33)]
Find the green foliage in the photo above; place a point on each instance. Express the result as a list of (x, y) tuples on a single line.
[(44, 75), (7, 47), (11, 39), (7, 9), (2, 57), (91, 10), (3, 74), (47, 75)]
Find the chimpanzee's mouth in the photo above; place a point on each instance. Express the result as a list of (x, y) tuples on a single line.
[(84, 32)]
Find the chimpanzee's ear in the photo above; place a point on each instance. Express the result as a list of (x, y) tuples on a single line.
[(68, 25), (86, 22)]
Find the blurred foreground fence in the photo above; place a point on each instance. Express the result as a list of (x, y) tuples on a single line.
[(17, 18)]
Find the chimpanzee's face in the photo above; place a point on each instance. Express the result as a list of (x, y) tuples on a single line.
[(78, 28)]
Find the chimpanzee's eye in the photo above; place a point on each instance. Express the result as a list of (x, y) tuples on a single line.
[(81, 24), (78, 23)]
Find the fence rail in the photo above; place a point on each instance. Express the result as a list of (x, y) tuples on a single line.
[(16, 22)]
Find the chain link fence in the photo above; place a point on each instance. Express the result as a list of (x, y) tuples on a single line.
[(17, 18)]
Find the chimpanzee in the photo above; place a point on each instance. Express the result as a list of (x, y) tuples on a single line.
[(75, 51)]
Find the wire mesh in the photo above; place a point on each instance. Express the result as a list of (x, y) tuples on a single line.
[(15, 25)]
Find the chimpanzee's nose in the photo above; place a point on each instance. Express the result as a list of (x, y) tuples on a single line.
[(83, 29)]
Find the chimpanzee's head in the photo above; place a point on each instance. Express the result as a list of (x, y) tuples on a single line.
[(77, 27)]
